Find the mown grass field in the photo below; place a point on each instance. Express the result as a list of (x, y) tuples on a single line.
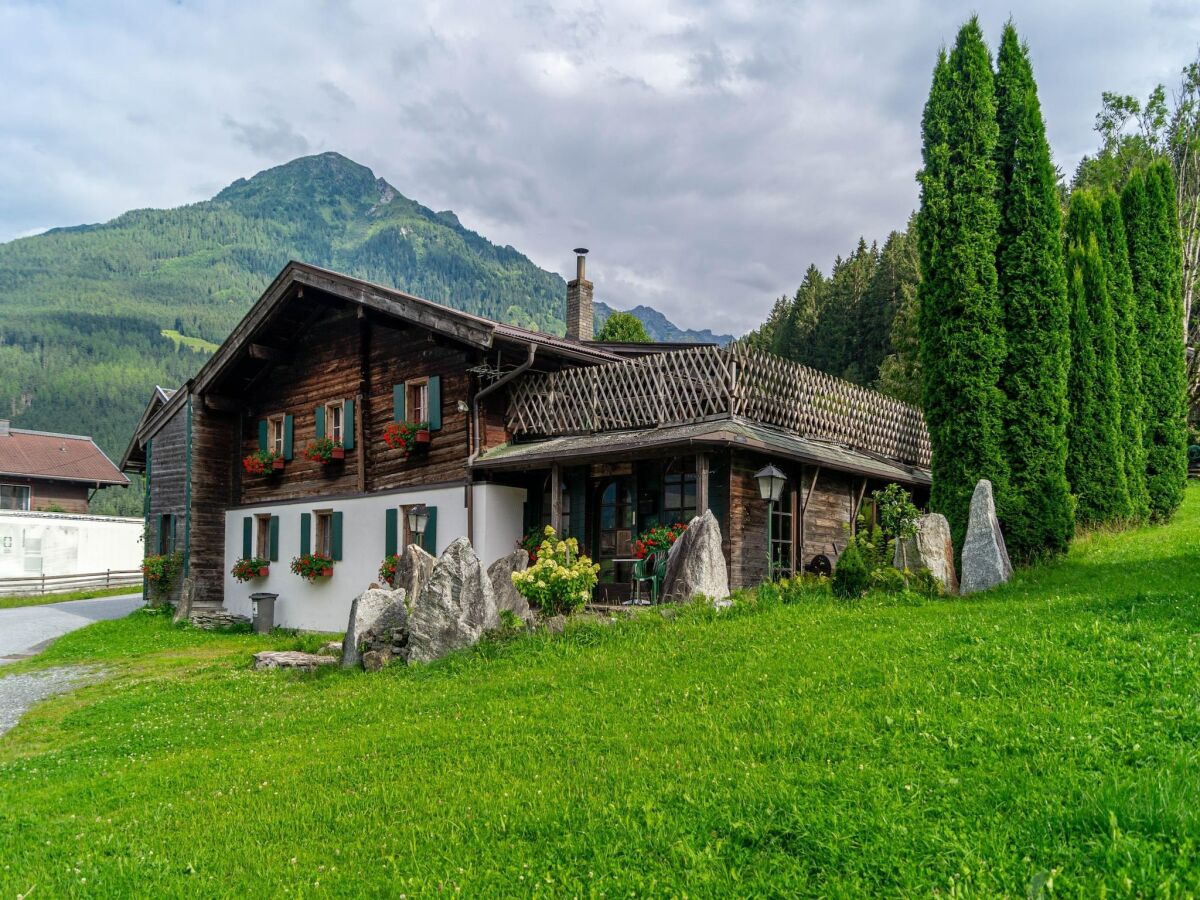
[(1042, 739)]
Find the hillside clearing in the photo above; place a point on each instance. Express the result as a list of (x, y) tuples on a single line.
[(1043, 733)]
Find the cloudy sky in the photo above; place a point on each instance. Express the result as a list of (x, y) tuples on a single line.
[(706, 152)]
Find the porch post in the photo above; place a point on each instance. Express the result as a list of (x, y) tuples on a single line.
[(556, 497), (701, 483)]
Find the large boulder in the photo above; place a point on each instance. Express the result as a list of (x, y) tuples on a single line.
[(985, 562), (507, 596), (696, 563), (374, 612), (413, 569), (930, 548), (455, 607)]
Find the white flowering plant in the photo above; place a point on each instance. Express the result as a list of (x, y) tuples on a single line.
[(561, 579)]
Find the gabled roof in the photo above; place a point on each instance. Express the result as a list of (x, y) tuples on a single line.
[(466, 328), (56, 457)]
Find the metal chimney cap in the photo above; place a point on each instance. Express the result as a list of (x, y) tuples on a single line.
[(582, 251)]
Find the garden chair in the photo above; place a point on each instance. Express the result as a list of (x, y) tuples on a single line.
[(652, 569)]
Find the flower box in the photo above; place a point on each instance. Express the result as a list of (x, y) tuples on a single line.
[(421, 439), (324, 451), (407, 436), (277, 464), (250, 567), (261, 462), (312, 566), (339, 453), (327, 572)]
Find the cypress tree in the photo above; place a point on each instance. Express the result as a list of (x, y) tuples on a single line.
[(1115, 250), (962, 338), (1155, 261), (1038, 514), (1095, 461)]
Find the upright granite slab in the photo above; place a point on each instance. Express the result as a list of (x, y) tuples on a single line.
[(413, 569), (985, 562), (930, 548), (696, 564), (375, 613), (455, 607), (507, 596)]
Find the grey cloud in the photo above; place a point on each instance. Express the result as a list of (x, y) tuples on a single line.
[(273, 139)]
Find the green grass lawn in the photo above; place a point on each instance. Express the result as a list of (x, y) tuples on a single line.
[(42, 599), (1042, 737)]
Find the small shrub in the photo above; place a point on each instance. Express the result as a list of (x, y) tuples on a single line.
[(888, 579), (561, 579), (852, 576), (387, 569), (160, 573), (925, 583)]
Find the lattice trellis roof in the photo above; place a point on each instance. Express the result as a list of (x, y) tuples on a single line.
[(711, 382)]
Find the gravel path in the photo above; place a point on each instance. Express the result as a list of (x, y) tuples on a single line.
[(19, 692)]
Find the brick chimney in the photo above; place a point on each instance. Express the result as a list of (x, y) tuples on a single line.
[(580, 324)]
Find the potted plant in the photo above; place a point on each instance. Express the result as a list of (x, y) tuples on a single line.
[(160, 572), (262, 461), (658, 538), (387, 569), (249, 567), (311, 566), (325, 450), (406, 436)]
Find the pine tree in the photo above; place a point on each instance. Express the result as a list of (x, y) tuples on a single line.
[(1095, 461), (1148, 208), (962, 336), (1038, 517), (1115, 250)]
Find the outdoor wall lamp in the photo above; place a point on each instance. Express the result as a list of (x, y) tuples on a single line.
[(770, 486)]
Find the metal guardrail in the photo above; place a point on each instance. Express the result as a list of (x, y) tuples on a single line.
[(53, 584)]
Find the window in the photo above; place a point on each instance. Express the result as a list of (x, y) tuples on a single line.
[(14, 496), (275, 434), (166, 534), (333, 421), (679, 491), (323, 543), (262, 537), (416, 400), (781, 534)]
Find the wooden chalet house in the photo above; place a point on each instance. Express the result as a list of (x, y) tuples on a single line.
[(524, 429)]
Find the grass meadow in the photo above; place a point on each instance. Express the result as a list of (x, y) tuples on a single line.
[(1039, 740)]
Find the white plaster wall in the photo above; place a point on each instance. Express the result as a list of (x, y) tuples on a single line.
[(324, 605), (34, 543)]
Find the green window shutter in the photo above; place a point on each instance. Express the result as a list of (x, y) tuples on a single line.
[(247, 536), (348, 425), (335, 537), (319, 418), (305, 533), (171, 548), (287, 437), (435, 402), (262, 434), (274, 539), (398, 402), (429, 538), (576, 488), (391, 531)]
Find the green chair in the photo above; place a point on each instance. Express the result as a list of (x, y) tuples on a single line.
[(653, 568)]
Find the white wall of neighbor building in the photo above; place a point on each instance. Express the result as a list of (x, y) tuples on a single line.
[(34, 543), (324, 605)]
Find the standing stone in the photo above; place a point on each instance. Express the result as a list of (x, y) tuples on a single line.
[(930, 548), (696, 563), (507, 596), (373, 609), (985, 561), (183, 607), (413, 569), (455, 607)]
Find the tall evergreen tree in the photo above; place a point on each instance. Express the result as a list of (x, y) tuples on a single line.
[(962, 334), (1115, 250), (1148, 207), (1038, 515), (1095, 459)]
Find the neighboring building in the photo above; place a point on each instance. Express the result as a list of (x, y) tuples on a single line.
[(34, 544), (43, 471), (526, 429)]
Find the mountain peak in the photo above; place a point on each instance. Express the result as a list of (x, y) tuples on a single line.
[(320, 179)]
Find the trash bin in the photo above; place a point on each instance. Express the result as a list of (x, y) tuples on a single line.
[(264, 612)]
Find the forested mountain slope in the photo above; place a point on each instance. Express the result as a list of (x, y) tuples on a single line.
[(83, 310)]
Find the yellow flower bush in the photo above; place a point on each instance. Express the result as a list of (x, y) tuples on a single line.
[(560, 580)]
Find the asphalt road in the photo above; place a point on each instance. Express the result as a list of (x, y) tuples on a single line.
[(26, 629)]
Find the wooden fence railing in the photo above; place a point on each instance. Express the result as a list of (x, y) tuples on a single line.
[(711, 382), (53, 584)]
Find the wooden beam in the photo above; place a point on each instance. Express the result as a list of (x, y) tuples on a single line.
[(856, 504), (556, 496), (701, 482), (812, 485), (219, 403), (262, 351)]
